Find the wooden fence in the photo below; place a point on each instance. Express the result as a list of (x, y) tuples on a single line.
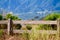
[(10, 28)]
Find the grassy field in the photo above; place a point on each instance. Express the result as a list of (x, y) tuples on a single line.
[(34, 35), (26, 36)]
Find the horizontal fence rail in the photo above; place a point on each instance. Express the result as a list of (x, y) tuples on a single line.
[(34, 22), (40, 31), (4, 22)]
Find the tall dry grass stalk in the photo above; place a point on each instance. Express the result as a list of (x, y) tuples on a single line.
[(36, 35)]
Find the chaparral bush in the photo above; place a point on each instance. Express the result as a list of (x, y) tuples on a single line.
[(29, 27)]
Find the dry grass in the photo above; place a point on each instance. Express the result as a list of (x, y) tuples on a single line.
[(24, 36), (34, 35)]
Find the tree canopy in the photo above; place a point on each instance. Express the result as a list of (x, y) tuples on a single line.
[(10, 16), (1, 17), (52, 16)]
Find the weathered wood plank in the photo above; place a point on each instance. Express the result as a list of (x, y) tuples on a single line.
[(40, 31), (28, 22), (35, 22), (10, 28), (58, 29), (4, 22)]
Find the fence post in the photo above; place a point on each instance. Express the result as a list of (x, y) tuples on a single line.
[(10, 28), (58, 29)]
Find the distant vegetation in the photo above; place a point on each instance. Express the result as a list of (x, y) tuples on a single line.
[(9, 16), (52, 16), (29, 27), (1, 17), (12, 17)]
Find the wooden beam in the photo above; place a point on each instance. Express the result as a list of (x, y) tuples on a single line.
[(58, 29), (35, 22), (3, 21), (10, 28), (40, 31)]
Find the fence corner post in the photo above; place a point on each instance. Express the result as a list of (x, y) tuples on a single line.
[(58, 29), (10, 28)]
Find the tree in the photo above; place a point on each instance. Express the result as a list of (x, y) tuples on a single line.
[(52, 16), (10, 16), (1, 17)]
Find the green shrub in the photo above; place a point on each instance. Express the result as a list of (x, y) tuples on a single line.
[(18, 26), (26, 35), (44, 27), (28, 27), (1, 33), (1, 17), (40, 27), (52, 16)]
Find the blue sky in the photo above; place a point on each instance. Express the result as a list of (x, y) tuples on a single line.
[(24, 6)]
